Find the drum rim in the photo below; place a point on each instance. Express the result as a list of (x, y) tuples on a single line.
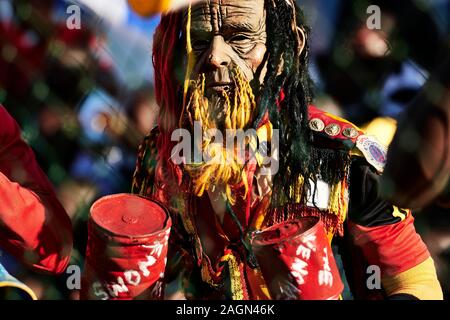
[(166, 225), (256, 243)]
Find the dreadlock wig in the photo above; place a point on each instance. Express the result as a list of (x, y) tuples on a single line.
[(284, 97)]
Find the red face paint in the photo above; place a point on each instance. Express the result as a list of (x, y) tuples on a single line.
[(297, 262), (127, 248)]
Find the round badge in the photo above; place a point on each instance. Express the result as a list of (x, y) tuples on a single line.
[(373, 151), (316, 125), (350, 133), (333, 129)]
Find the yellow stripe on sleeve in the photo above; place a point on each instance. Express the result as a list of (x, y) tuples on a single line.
[(420, 281)]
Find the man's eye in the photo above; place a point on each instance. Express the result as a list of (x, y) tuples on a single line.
[(239, 38), (199, 44)]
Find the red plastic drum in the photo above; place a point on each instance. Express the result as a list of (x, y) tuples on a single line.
[(127, 248), (297, 262)]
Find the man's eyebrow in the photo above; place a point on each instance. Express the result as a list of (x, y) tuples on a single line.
[(201, 29), (240, 26)]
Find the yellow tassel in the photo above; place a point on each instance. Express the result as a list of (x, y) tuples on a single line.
[(191, 62)]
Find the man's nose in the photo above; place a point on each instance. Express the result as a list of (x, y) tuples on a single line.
[(217, 56)]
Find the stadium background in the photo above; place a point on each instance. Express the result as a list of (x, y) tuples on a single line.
[(84, 97)]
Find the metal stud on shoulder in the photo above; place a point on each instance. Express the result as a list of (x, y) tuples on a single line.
[(350, 133), (316, 125), (333, 129)]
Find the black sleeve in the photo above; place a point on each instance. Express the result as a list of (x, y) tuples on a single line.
[(366, 207), (403, 296)]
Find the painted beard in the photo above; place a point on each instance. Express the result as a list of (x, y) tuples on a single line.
[(228, 109)]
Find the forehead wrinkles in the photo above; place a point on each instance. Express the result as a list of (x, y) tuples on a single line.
[(201, 17), (210, 16)]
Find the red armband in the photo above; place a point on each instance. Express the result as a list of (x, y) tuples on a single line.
[(395, 248)]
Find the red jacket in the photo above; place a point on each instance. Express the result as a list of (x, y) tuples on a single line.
[(34, 226)]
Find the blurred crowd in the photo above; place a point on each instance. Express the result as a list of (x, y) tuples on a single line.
[(84, 97)]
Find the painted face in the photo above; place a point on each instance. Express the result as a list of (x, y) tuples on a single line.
[(225, 35)]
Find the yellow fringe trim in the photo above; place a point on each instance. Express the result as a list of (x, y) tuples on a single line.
[(237, 289)]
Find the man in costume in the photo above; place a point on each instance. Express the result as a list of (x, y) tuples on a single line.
[(34, 227), (246, 67)]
